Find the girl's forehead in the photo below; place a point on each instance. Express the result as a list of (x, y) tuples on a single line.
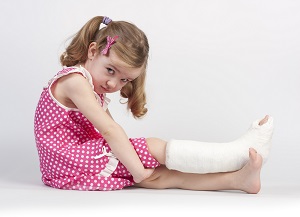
[(123, 67), (115, 60)]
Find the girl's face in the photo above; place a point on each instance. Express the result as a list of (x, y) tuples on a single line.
[(109, 73)]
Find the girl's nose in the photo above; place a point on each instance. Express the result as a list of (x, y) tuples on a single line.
[(111, 84)]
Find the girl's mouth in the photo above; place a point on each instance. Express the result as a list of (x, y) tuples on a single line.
[(106, 90)]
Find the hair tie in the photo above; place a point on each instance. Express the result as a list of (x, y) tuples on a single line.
[(106, 20)]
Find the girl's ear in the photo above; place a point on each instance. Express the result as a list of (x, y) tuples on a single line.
[(92, 51)]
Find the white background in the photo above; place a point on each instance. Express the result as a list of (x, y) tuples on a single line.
[(215, 66)]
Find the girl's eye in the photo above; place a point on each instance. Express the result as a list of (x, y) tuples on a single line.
[(110, 71), (125, 80)]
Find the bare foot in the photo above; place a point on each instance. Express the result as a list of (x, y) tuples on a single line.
[(264, 120), (248, 178)]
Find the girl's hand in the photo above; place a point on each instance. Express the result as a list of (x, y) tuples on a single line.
[(146, 174)]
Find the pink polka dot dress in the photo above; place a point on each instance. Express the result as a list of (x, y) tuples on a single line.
[(73, 154)]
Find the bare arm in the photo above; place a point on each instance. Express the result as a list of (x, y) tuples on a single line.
[(76, 88), (107, 112)]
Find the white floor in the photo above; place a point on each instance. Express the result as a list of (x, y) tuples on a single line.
[(29, 197)]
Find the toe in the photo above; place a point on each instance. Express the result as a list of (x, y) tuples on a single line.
[(252, 153), (264, 120)]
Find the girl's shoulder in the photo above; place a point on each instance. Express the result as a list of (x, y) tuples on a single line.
[(72, 70)]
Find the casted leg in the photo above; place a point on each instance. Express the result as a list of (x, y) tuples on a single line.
[(201, 157), (207, 157), (247, 179)]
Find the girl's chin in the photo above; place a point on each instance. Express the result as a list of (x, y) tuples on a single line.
[(99, 91), (102, 90)]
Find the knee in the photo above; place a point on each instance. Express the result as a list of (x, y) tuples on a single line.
[(160, 179), (157, 148), (155, 141)]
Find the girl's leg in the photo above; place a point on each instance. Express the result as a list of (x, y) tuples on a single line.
[(197, 157), (247, 179), (157, 148)]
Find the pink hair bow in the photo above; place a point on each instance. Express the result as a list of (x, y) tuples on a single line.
[(110, 41)]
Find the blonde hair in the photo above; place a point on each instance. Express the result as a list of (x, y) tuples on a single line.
[(131, 47)]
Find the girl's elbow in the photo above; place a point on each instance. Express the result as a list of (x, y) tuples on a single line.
[(110, 130)]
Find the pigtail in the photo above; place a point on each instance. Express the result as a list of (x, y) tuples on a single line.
[(77, 50), (134, 91)]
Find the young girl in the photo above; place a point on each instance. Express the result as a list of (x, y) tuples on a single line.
[(81, 147)]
